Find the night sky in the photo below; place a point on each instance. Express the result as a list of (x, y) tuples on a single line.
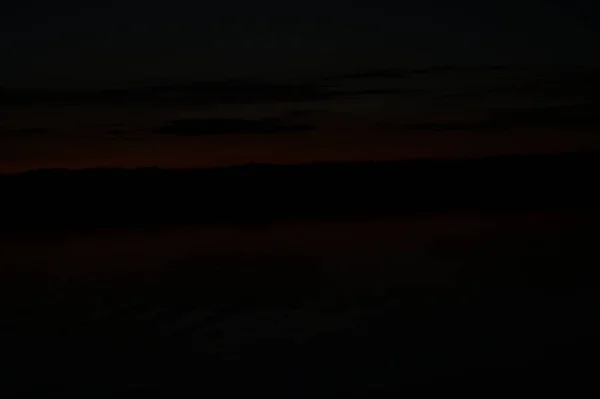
[(452, 270), (186, 84)]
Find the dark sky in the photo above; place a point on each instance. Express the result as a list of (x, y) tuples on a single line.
[(74, 41), (305, 80)]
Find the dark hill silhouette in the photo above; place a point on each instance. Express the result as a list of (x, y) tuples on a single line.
[(55, 198)]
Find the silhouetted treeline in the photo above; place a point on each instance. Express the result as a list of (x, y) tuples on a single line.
[(57, 198)]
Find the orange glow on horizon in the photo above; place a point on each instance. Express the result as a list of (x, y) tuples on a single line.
[(195, 152)]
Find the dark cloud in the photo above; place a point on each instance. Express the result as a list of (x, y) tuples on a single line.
[(371, 92), (477, 84), (464, 69), (404, 73), (305, 112), (564, 116), (198, 93), (470, 83), (233, 91), (194, 93), (116, 132), (385, 73), (582, 84), (125, 138), (438, 126), (124, 134), (33, 131), (206, 127), (574, 116)]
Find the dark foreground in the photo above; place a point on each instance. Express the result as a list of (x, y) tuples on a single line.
[(500, 298), (503, 305)]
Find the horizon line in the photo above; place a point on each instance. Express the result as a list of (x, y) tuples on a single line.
[(310, 163)]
